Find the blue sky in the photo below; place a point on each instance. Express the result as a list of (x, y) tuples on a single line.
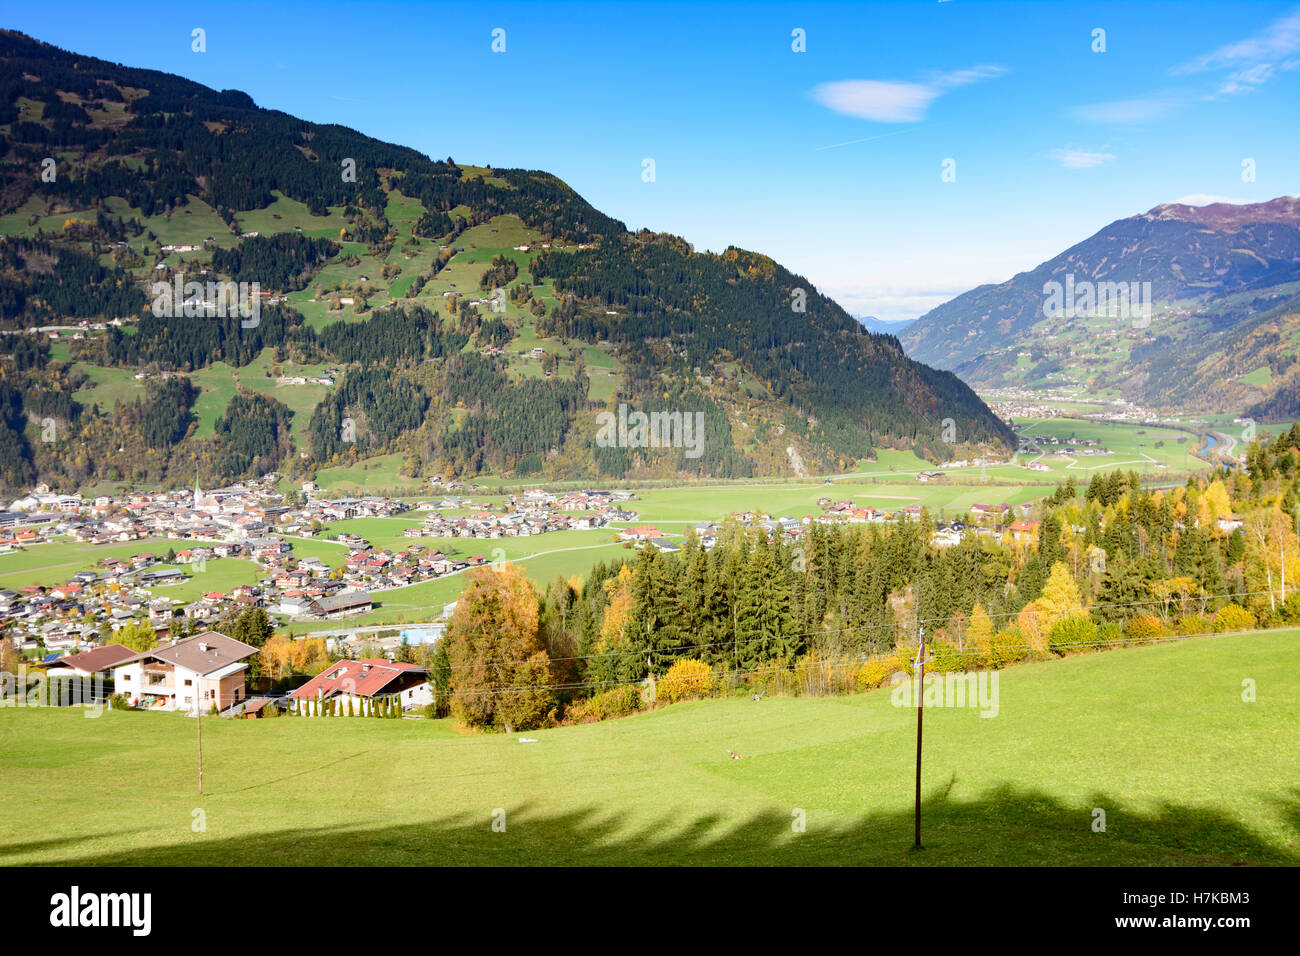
[(829, 160)]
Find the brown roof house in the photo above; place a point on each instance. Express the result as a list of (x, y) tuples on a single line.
[(101, 660), (193, 675)]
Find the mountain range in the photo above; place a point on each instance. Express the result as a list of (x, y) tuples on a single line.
[(1207, 317), (446, 318)]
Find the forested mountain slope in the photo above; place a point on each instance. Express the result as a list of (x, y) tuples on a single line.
[(467, 319)]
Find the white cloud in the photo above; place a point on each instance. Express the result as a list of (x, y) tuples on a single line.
[(876, 100), (1278, 39), (1125, 112), (1078, 159), (1253, 61), (1243, 81), (889, 101)]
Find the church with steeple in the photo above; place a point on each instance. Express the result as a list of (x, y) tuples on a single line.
[(204, 503)]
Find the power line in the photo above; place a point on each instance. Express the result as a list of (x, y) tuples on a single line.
[(637, 652), (857, 661)]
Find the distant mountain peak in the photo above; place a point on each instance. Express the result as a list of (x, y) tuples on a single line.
[(1223, 215)]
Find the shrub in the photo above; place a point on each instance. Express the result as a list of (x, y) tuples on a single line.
[(1291, 608), (775, 679), (819, 675), (686, 680), (615, 702), (1009, 646), (1143, 629), (979, 652), (119, 702), (1233, 617), (1111, 634), (1072, 633), (872, 674), (1195, 624), (946, 658)]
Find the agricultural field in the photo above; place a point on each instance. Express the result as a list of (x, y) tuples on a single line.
[(1146, 449), (382, 471), (698, 503), (1158, 737), (55, 562), (218, 574)]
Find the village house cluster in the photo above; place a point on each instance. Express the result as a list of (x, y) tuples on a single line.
[(255, 522)]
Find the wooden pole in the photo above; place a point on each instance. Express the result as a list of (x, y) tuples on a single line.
[(920, 712), (198, 719)]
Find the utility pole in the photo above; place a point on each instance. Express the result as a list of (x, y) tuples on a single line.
[(921, 661), (198, 720)]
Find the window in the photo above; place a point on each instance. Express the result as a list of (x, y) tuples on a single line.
[(188, 683)]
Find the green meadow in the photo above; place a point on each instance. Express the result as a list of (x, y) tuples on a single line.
[(218, 574), (55, 562), (1156, 737), (1141, 448)]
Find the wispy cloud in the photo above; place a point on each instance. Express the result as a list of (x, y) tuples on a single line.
[(891, 101), (1078, 159), (1253, 61), (1136, 112)]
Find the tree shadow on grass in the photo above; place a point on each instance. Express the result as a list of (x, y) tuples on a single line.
[(1003, 827)]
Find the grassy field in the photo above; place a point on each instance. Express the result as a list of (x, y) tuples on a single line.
[(1141, 448), (712, 502), (219, 574), (55, 562), (382, 471), (1158, 737)]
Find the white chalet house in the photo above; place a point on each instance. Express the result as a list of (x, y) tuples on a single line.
[(204, 671)]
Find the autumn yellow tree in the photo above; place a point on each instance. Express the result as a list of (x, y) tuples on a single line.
[(1060, 599), (1272, 553), (138, 635), (309, 656), (276, 654), (979, 636), (1217, 501), (499, 670)]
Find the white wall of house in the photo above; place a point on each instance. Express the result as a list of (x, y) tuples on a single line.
[(421, 695), (181, 689), (411, 698)]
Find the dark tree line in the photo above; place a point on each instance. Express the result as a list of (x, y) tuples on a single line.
[(43, 282), (859, 385), (365, 413), (283, 262), (252, 436)]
